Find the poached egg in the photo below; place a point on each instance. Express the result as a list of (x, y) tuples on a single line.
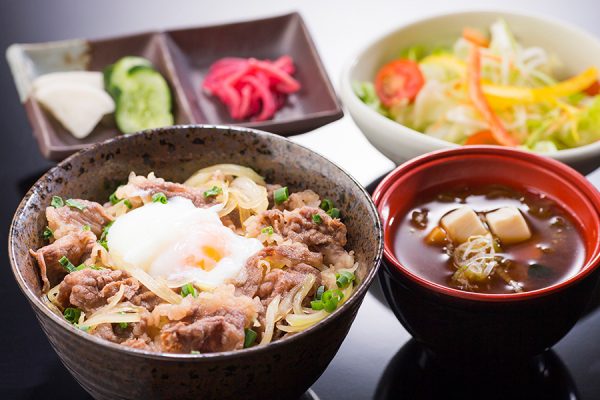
[(180, 243)]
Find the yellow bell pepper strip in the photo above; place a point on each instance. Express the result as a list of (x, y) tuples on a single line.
[(501, 96), (447, 62), (480, 102)]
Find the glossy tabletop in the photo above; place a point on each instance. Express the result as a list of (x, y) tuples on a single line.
[(377, 359)]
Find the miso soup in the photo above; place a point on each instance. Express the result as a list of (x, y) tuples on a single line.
[(489, 239)]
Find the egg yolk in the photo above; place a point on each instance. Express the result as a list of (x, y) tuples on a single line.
[(207, 261)]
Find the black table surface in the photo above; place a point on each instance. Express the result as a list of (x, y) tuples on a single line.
[(377, 360)]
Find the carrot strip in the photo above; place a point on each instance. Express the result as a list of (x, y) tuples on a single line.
[(475, 36), (480, 102), (481, 137)]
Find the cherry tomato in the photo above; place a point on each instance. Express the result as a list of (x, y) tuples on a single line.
[(398, 80), (593, 89)]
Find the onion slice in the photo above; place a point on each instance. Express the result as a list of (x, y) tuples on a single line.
[(270, 316), (226, 169)]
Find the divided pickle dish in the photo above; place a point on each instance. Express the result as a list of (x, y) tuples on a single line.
[(183, 58)]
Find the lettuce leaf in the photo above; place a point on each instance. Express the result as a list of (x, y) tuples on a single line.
[(366, 93), (588, 126), (415, 53)]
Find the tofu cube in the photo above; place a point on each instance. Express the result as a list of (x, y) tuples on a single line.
[(461, 224), (508, 225)]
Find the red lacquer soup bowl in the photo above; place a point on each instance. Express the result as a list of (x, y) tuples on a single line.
[(461, 324)]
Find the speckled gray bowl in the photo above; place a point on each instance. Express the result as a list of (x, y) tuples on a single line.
[(283, 369)]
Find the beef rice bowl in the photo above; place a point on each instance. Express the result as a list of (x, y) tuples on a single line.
[(220, 262)]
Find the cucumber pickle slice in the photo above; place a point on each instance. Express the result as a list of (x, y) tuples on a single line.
[(144, 101)]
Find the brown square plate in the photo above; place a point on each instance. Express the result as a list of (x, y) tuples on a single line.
[(183, 57)]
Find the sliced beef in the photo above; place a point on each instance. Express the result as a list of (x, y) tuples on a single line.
[(111, 332), (141, 343), (256, 223), (146, 298), (327, 237), (209, 323), (90, 289), (65, 220), (306, 198), (248, 281), (206, 335), (76, 246), (299, 226), (281, 281), (133, 335), (139, 185), (288, 255)]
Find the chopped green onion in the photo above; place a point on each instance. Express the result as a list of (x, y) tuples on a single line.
[(334, 213), (159, 198), (113, 198), (123, 325), (194, 352), (86, 227), (57, 202), (280, 195), (103, 242), (331, 298), (75, 204), (213, 191), (267, 229), (64, 261), (249, 338), (326, 205), (105, 230), (72, 315), (83, 266), (188, 289), (84, 328), (319, 293), (48, 234), (343, 279), (317, 219), (127, 203), (317, 305)]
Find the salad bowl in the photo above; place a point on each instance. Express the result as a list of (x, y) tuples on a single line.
[(401, 143)]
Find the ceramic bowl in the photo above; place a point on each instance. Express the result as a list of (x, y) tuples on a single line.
[(400, 143), (461, 324), (283, 369)]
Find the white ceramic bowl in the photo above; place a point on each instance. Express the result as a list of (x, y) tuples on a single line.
[(575, 48)]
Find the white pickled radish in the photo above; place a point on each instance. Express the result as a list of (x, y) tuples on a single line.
[(88, 78), (77, 107)]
